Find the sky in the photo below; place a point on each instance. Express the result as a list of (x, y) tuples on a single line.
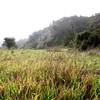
[(20, 18)]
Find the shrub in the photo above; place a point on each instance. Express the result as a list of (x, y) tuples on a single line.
[(86, 40)]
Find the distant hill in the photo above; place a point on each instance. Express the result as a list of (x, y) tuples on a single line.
[(63, 31), (21, 43)]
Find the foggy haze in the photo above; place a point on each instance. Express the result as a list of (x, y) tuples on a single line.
[(20, 18)]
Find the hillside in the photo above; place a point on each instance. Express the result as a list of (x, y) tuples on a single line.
[(63, 31)]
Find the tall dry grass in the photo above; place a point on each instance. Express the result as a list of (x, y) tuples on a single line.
[(46, 75)]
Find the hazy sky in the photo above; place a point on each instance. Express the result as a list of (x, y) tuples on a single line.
[(19, 18)]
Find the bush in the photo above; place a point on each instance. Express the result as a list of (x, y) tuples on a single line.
[(86, 40)]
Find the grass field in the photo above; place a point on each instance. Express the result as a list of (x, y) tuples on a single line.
[(49, 75)]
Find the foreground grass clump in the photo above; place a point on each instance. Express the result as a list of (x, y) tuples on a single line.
[(49, 75)]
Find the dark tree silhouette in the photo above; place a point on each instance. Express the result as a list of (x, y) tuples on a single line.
[(9, 43)]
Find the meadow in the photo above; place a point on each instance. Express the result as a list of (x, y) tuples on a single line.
[(49, 75)]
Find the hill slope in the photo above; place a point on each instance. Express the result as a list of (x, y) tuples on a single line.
[(63, 31)]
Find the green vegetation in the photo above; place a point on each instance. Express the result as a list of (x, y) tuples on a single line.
[(49, 75), (86, 40)]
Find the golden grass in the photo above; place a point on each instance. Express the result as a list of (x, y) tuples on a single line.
[(46, 75)]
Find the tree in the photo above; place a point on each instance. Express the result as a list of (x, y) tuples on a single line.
[(9, 43)]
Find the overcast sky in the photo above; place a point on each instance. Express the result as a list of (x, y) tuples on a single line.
[(19, 18)]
